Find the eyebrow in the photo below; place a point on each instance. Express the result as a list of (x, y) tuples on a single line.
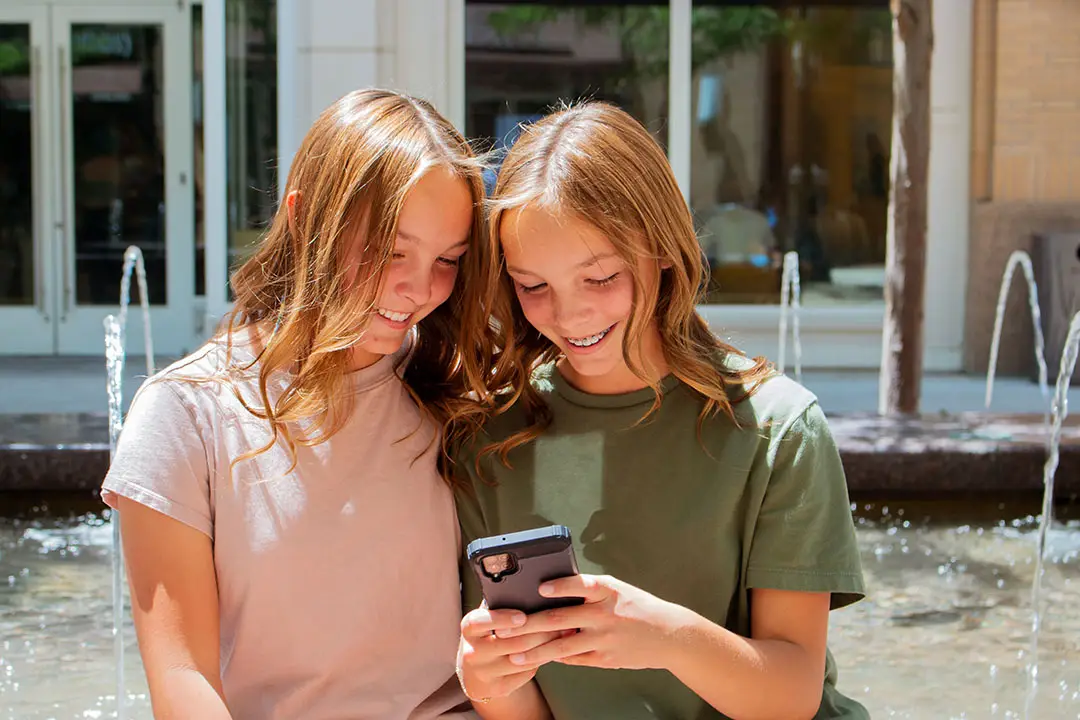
[(581, 265)]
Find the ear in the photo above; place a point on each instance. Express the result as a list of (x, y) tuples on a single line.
[(665, 264)]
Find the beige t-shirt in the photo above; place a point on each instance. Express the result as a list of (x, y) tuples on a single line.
[(338, 581)]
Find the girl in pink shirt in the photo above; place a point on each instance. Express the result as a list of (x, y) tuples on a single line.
[(286, 512)]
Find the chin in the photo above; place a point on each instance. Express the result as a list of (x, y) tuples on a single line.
[(382, 345), (592, 366)]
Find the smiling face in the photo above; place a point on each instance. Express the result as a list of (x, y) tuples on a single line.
[(577, 291), (433, 235)]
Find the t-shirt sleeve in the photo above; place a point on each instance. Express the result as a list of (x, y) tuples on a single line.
[(804, 537), (473, 526), (161, 458)]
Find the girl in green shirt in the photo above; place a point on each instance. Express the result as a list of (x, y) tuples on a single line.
[(705, 494)]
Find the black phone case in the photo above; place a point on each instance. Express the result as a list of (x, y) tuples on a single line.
[(542, 554)]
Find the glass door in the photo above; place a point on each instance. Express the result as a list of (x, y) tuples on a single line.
[(124, 170), (27, 310)]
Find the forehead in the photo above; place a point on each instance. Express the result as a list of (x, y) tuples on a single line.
[(533, 236), (438, 209)]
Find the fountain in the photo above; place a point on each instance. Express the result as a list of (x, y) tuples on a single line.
[(1022, 259), (115, 351), (1060, 412), (790, 299), (133, 259)]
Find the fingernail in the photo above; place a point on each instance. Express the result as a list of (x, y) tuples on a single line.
[(518, 618), (546, 589), (517, 659)]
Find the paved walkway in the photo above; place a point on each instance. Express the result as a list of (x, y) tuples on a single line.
[(77, 385)]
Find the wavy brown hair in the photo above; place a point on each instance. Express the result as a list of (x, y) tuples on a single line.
[(353, 171), (595, 162)]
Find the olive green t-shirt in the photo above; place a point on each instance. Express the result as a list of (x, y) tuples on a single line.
[(695, 520)]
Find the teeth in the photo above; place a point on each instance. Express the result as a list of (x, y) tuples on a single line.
[(395, 316), (587, 341)]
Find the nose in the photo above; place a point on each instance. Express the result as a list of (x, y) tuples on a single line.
[(571, 313), (415, 285)]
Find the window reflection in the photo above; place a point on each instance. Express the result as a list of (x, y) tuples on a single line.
[(790, 148), (251, 125), (522, 60)]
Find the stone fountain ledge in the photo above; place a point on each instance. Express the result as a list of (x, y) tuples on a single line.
[(928, 455)]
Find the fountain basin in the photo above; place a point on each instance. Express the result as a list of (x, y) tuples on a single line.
[(925, 455)]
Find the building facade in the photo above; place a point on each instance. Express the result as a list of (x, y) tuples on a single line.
[(1025, 166), (166, 124)]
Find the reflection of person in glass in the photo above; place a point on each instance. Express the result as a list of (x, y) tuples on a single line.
[(270, 484), (704, 491)]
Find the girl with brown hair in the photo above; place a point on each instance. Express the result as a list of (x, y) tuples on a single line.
[(704, 493), (284, 492)]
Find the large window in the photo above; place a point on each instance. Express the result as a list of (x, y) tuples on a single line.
[(792, 117), (522, 60), (790, 106)]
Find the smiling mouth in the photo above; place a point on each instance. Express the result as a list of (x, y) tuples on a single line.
[(588, 341), (398, 317)]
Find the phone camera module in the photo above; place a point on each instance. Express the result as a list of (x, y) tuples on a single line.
[(499, 566)]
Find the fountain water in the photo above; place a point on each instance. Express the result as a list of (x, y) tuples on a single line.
[(114, 369), (133, 259), (115, 351), (1060, 412), (790, 304), (1022, 259)]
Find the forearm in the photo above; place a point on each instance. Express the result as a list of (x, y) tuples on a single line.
[(182, 693), (525, 703), (741, 677)]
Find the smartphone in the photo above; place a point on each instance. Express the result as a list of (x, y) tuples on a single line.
[(511, 567)]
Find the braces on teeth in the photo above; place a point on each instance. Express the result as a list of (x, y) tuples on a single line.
[(587, 341)]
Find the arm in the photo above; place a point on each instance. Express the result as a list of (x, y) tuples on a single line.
[(174, 602), (525, 703), (778, 672), (782, 664)]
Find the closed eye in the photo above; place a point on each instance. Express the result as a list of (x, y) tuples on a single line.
[(531, 288), (605, 281), (449, 261)]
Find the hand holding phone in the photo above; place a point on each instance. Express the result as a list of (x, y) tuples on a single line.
[(512, 567)]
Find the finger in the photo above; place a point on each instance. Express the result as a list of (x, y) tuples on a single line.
[(490, 650), (591, 587), (557, 620), (564, 647), (481, 622)]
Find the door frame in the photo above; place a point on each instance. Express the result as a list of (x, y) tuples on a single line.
[(31, 329), (80, 327)]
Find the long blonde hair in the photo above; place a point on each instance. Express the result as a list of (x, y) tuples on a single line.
[(595, 162), (352, 173)]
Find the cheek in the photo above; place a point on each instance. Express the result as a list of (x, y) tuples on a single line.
[(536, 308), (391, 279), (442, 284), (620, 301)]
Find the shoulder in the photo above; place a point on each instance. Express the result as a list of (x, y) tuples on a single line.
[(767, 407), (774, 405), (203, 380)]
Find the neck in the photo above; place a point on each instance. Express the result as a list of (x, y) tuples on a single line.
[(360, 359)]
